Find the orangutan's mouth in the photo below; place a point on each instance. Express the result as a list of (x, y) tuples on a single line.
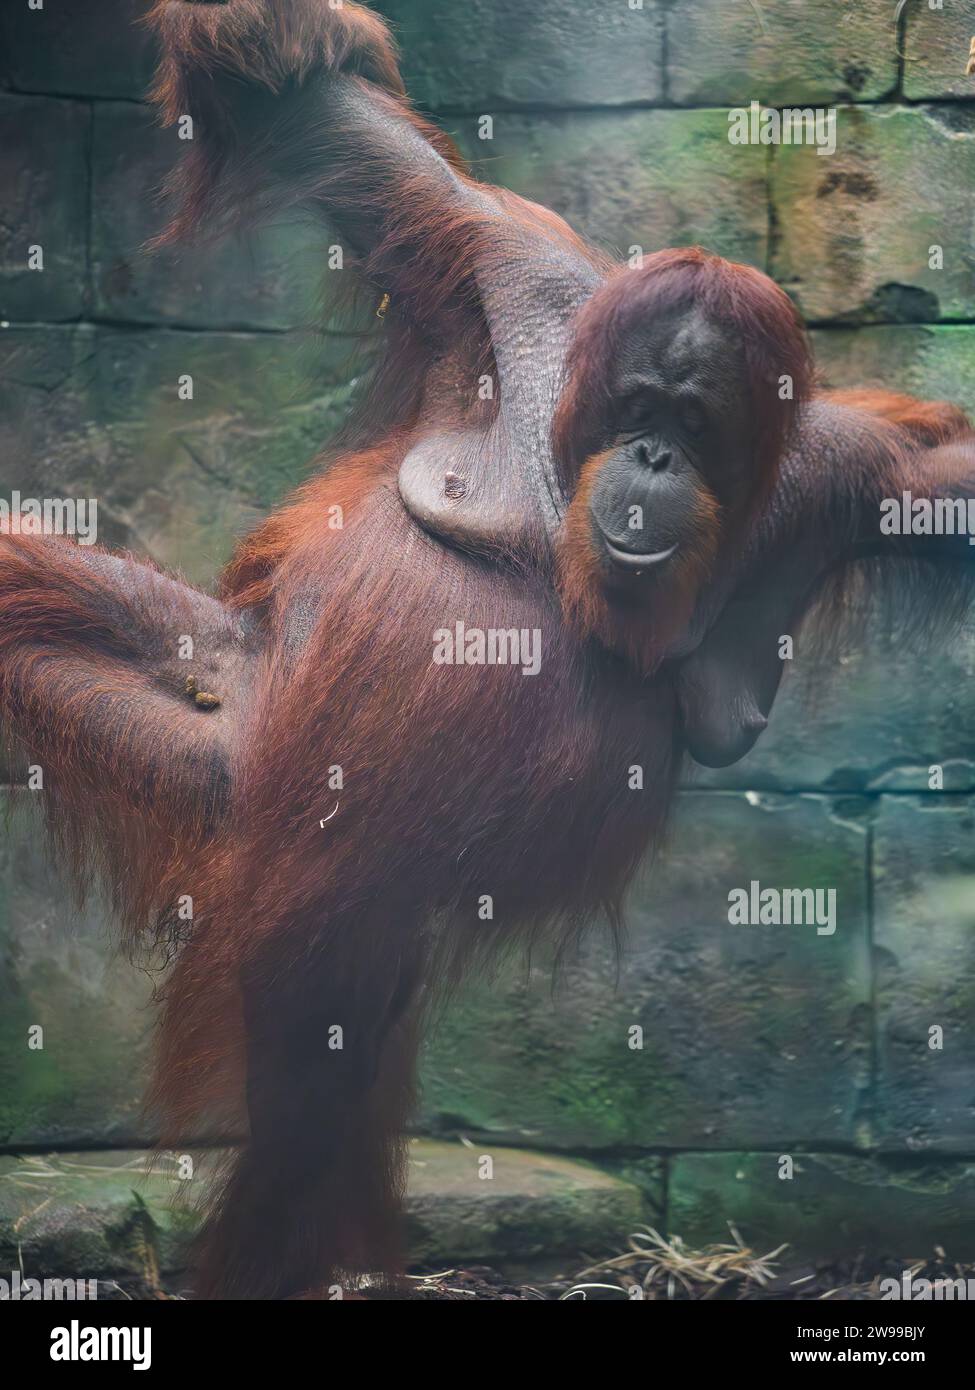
[(636, 561)]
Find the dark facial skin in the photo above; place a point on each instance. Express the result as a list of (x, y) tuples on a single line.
[(680, 445)]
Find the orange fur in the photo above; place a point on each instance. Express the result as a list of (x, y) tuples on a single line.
[(930, 422), (355, 908)]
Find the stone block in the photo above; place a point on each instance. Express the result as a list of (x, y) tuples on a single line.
[(878, 232), (833, 1206), (645, 179), (44, 177), (489, 55), (924, 943), (748, 1032), (789, 52)]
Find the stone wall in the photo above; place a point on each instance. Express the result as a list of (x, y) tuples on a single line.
[(758, 1042)]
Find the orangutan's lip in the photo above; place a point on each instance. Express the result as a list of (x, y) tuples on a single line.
[(637, 562)]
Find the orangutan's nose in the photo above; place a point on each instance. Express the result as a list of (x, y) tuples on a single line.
[(657, 462)]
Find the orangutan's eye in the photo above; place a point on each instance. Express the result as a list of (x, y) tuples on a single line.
[(636, 413), (692, 417)]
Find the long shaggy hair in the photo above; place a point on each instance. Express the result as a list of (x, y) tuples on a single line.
[(340, 820)]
